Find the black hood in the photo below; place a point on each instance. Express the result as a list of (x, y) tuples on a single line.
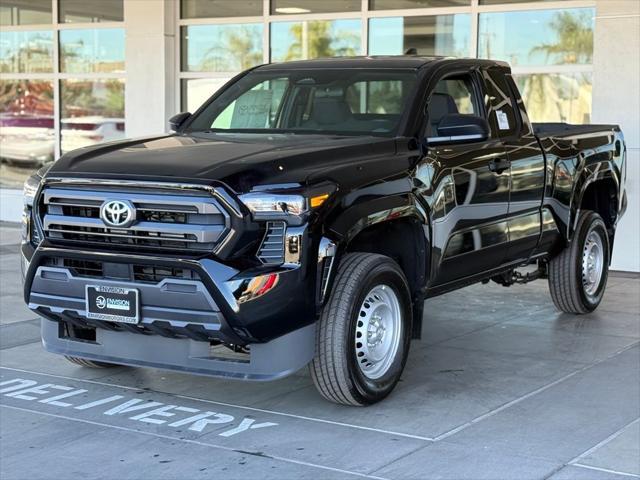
[(240, 161)]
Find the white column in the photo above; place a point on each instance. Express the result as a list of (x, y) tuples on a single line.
[(151, 65), (616, 99)]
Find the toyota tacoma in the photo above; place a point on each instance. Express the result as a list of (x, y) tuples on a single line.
[(306, 211)]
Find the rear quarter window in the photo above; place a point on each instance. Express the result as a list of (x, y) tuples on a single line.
[(500, 106)]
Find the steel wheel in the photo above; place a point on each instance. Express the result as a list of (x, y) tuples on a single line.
[(578, 274), (378, 331), (592, 263), (363, 333)]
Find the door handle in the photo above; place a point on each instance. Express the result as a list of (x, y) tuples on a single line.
[(499, 165)]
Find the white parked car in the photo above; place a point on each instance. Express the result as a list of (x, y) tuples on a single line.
[(81, 132), (26, 140)]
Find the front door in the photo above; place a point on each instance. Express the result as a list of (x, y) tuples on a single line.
[(466, 185)]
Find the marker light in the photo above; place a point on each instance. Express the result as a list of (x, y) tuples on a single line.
[(315, 202)]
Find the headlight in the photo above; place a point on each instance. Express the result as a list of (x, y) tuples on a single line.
[(268, 205), (289, 207), (32, 184), (30, 189)]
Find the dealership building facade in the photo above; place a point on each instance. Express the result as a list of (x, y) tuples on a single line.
[(77, 72)]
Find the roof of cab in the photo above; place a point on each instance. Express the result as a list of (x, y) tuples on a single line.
[(398, 61), (373, 62)]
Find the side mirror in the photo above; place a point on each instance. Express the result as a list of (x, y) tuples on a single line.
[(178, 120), (455, 128)]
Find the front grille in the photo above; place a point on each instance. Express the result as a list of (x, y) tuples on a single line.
[(191, 220), (155, 274), (84, 268), (122, 271)]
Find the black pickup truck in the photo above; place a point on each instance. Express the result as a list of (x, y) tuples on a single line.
[(306, 211)]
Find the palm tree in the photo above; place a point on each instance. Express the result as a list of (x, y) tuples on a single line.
[(318, 39), (574, 39), (556, 97), (233, 50)]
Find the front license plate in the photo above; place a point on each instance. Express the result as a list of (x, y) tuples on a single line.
[(112, 304)]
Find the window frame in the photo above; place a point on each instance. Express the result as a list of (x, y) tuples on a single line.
[(56, 76), (478, 93), (492, 119)]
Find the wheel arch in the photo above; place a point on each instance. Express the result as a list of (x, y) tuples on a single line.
[(400, 231), (598, 191)]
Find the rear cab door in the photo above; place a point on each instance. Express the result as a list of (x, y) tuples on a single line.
[(527, 163)]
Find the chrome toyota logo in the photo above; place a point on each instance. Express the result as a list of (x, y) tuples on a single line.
[(117, 213)]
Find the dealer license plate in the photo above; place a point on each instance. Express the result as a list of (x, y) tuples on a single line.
[(112, 304)]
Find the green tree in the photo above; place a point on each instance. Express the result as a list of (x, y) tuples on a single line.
[(114, 101)]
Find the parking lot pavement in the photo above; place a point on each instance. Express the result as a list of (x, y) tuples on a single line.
[(501, 386)]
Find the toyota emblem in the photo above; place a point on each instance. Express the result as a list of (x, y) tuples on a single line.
[(117, 213)]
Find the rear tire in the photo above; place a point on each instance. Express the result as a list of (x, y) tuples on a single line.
[(83, 362), (364, 331), (578, 275)]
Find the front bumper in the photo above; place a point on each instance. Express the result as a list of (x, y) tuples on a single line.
[(181, 320), (267, 361)]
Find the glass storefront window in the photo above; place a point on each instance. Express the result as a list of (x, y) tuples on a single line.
[(220, 8), (19, 12), (221, 48), (26, 52), (448, 35), (535, 38), (558, 97), (314, 39), (195, 91), (92, 111), (90, 11), (92, 51), (402, 4), (292, 7), (27, 137)]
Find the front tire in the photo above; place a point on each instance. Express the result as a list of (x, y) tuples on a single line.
[(364, 331), (83, 362), (578, 275)]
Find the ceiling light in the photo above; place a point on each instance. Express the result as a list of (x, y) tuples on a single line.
[(292, 10)]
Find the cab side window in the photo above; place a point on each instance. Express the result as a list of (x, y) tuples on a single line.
[(452, 95)]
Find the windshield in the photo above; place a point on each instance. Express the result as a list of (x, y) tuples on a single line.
[(340, 102)]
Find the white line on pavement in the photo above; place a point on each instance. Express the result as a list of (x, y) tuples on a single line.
[(195, 442), (615, 434), (605, 470), (442, 436), (231, 405), (515, 401)]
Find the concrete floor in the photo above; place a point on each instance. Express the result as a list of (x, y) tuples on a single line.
[(501, 387)]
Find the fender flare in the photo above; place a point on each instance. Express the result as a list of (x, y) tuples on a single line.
[(363, 215), (353, 221), (591, 174)]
